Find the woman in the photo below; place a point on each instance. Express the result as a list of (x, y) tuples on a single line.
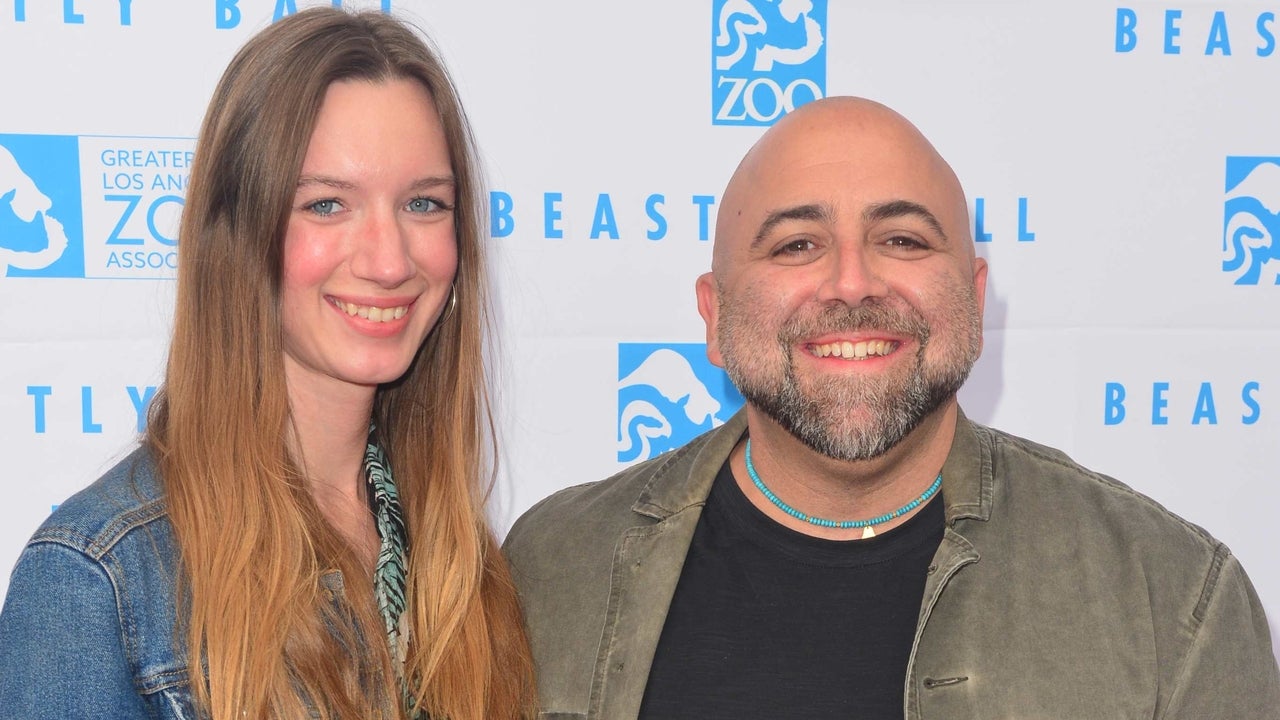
[(327, 339)]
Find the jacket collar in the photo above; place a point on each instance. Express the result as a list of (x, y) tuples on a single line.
[(967, 477), (684, 476)]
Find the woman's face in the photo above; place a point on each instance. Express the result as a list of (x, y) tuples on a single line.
[(370, 250)]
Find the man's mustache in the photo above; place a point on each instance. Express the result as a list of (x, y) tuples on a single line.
[(868, 317)]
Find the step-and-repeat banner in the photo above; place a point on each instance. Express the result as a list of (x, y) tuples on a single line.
[(1121, 160)]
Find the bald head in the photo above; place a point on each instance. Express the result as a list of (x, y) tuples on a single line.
[(870, 154)]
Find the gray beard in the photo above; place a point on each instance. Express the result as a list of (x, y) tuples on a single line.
[(820, 418)]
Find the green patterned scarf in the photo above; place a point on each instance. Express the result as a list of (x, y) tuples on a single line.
[(389, 574)]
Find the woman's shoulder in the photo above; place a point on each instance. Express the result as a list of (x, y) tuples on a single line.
[(127, 498), (111, 543), (90, 617)]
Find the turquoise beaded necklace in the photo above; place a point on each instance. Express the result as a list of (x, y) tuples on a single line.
[(839, 524)]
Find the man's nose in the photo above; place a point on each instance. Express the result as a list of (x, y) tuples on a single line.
[(382, 251), (852, 276)]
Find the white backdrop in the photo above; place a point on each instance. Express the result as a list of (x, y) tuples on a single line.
[(1114, 153)]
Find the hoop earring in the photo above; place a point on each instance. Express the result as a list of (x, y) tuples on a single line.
[(453, 302)]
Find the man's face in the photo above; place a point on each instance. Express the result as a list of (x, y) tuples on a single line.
[(845, 303)]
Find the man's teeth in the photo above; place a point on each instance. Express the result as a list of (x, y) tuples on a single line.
[(376, 314), (855, 351)]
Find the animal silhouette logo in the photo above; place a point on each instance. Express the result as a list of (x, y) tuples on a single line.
[(40, 210), (768, 58), (1251, 227), (667, 395)]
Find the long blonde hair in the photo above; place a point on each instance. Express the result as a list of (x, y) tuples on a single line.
[(261, 615)]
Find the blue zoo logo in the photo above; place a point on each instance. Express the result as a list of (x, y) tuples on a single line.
[(768, 57), (91, 206), (41, 226), (1251, 227), (668, 394)]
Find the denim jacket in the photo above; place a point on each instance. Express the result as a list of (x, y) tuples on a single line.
[(88, 625), (1055, 593)]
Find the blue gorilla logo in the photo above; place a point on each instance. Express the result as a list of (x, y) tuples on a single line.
[(792, 38), (1251, 232), (667, 395), (40, 207)]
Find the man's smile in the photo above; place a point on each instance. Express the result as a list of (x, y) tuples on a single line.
[(860, 350)]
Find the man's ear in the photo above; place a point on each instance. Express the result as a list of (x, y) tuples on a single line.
[(709, 309), (980, 283), (980, 289)]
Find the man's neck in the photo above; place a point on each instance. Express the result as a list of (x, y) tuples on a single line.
[(838, 490)]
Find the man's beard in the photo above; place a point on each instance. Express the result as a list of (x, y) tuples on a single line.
[(822, 417)]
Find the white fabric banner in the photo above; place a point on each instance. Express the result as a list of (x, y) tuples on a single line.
[(1121, 160)]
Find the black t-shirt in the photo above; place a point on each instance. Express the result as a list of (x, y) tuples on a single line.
[(767, 622)]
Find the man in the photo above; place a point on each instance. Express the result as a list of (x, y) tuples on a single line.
[(850, 545)]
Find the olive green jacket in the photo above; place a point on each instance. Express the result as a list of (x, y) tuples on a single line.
[(1055, 593)]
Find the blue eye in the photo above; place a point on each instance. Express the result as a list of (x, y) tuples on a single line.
[(325, 207), (424, 205)]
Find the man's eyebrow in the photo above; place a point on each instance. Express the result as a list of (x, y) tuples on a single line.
[(814, 212), (902, 208)]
